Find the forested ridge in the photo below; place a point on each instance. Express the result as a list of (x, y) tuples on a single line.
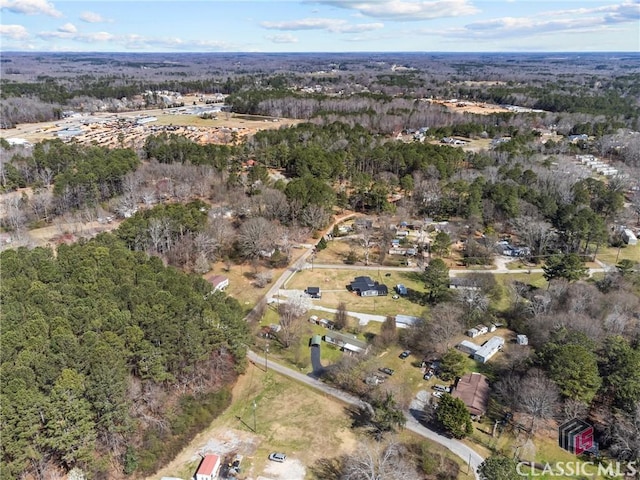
[(109, 358)]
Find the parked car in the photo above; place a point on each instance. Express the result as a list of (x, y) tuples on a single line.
[(405, 354), (428, 375), (386, 370), (442, 388), (277, 457), (438, 394)]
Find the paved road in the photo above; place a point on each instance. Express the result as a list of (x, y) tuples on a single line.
[(452, 272), (470, 456)]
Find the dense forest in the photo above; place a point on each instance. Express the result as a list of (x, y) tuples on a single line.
[(109, 357)]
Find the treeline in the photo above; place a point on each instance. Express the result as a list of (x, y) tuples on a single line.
[(81, 175), (97, 342)]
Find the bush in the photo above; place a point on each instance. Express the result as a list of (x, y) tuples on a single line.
[(352, 257)]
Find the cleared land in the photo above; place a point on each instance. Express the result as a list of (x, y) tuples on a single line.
[(290, 418)]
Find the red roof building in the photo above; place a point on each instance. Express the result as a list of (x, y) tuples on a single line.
[(209, 468), (218, 282)]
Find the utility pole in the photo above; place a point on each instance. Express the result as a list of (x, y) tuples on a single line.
[(266, 352), (254, 416)]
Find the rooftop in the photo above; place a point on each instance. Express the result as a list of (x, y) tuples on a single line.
[(473, 389), (208, 465)]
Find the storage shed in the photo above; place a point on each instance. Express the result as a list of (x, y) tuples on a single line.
[(209, 468)]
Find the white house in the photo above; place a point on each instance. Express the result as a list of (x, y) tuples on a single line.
[(218, 282), (209, 468), (489, 349)]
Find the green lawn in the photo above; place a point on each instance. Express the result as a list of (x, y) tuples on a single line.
[(610, 254), (333, 284)]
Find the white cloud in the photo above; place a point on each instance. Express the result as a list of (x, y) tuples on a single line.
[(406, 10), (329, 24), (580, 20), (92, 17), (30, 7), (134, 41), (14, 32), (68, 28), (282, 38)]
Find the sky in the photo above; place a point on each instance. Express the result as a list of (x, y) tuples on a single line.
[(320, 26)]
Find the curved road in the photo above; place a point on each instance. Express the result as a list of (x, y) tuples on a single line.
[(466, 453)]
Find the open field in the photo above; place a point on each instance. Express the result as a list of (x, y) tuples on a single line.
[(289, 417), (610, 255), (333, 285)]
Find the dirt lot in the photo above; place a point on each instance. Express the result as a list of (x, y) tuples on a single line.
[(121, 130), (479, 108)]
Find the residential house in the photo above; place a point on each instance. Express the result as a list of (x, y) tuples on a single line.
[(209, 468), (366, 287), (468, 347), (218, 282), (489, 349), (473, 389), (346, 342)]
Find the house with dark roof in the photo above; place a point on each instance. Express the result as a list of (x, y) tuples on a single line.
[(473, 389), (313, 292), (366, 287)]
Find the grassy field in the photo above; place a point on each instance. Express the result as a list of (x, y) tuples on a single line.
[(610, 254), (289, 417), (333, 284)]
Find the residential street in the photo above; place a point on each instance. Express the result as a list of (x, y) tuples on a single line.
[(472, 458)]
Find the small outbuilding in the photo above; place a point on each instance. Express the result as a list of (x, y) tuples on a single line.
[(313, 292), (209, 468), (522, 340), (401, 289), (315, 341), (629, 237)]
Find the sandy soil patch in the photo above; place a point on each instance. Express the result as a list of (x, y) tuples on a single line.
[(290, 469)]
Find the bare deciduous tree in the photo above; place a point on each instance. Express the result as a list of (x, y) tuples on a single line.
[(291, 313), (341, 319), (379, 461), (538, 397), (536, 234), (256, 235), (263, 278)]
